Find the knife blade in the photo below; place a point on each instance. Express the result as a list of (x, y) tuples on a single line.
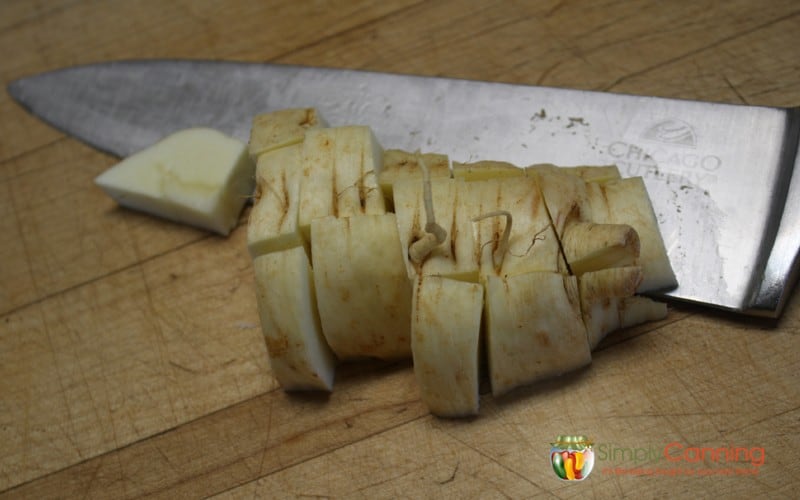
[(720, 175)]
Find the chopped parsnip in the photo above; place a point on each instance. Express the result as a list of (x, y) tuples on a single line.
[(197, 176), (538, 263)]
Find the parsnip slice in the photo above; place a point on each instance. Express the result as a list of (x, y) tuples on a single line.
[(534, 328), (281, 128), (532, 244), (625, 201), (486, 169), (299, 356), (455, 257), (363, 290), (590, 247), (399, 165), (340, 169), (564, 195), (637, 310), (599, 173), (359, 160), (272, 225), (601, 294), (445, 334), (196, 176)]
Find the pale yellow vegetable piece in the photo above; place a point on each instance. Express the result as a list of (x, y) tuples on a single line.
[(374, 293), (564, 195), (455, 257), (534, 329), (637, 310), (399, 165), (590, 247), (532, 244), (273, 225), (486, 169), (599, 173), (340, 169), (197, 176), (281, 128), (601, 293), (363, 290), (589, 239), (625, 201), (299, 356), (445, 334)]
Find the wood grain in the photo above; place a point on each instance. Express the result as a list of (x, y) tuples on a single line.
[(131, 359)]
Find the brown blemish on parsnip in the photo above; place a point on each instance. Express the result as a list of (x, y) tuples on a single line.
[(277, 346)]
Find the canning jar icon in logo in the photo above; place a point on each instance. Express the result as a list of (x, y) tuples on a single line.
[(572, 457)]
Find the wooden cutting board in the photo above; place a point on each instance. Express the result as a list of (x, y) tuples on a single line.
[(131, 357)]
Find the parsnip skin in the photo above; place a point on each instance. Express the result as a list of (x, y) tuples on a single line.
[(534, 329), (322, 199), (486, 169), (455, 257), (299, 356), (278, 129), (532, 243), (625, 201), (445, 334), (564, 195), (272, 224), (600, 173), (637, 310), (358, 162), (401, 165), (363, 290), (601, 294), (340, 169)]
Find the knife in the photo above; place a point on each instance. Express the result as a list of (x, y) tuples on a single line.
[(720, 175)]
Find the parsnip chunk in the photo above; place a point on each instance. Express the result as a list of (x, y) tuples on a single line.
[(455, 257), (273, 223), (197, 176), (445, 334), (532, 244), (399, 164), (340, 170), (299, 356), (363, 290), (534, 329), (281, 128)]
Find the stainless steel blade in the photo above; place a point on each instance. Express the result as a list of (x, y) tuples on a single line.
[(720, 176)]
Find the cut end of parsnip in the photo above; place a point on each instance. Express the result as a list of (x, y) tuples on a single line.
[(197, 176), (590, 247), (625, 201)]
